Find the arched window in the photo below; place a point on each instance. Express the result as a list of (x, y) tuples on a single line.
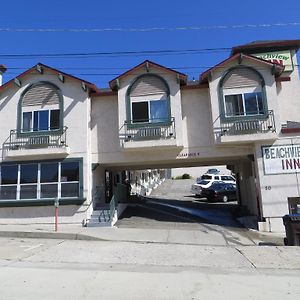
[(242, 93), (40, 108), (148, 100)]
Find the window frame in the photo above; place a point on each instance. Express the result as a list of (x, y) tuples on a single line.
[(148, 98), (241, 90), (20, 112), (32, 128), (39, 200)]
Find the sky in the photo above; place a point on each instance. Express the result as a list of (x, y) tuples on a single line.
[(113, 36)]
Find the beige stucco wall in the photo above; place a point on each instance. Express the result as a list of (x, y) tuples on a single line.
[(275, 189), (289, 95), (76, 118), (270, 89)]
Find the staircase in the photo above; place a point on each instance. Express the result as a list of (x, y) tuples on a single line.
[(101, 217)]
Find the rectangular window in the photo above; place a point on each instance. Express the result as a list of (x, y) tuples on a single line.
[(41, 120), (140, 112), (244, 104), (152, 111), (45, 180)]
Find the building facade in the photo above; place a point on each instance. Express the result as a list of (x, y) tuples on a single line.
[(63, 138)]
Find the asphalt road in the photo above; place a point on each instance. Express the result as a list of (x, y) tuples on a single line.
[(57, 269)]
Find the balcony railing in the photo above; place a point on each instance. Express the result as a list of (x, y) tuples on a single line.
[(36, 139), (248, 124), (149, 131)]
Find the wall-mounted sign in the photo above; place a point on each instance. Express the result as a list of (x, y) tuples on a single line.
[(281, 159), (281, 57)]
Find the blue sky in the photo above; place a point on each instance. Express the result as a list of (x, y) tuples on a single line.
[(61, 16)]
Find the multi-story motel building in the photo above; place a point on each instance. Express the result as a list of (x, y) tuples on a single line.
[(63, 138)]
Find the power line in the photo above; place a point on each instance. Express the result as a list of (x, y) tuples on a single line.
[(150, 29), (115, 54)]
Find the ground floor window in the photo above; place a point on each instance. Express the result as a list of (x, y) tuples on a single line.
[(294, 205), (42, 180)]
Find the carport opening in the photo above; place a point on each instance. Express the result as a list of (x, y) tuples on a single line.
[(165, 195)]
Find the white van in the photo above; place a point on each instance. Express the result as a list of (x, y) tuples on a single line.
[(206, 180)]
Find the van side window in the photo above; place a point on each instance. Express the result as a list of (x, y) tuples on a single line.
[(217, 177)]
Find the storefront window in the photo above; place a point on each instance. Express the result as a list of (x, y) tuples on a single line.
[(45, 180)]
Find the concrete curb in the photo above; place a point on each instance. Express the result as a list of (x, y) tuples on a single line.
[(49, 235)]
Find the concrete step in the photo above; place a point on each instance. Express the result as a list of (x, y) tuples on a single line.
[(100, 218)]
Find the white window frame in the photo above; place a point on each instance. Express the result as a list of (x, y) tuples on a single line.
[(38, 182), (32, 111), (242, 92), (147, 99)]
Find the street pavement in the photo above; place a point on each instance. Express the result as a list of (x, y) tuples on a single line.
[(152, 253)]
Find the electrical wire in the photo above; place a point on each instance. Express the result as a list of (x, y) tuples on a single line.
[(150, 29)]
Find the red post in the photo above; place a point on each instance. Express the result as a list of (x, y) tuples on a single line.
[(56, 204), (56, 218)]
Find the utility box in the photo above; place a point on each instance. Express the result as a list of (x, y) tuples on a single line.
[(292, 229)]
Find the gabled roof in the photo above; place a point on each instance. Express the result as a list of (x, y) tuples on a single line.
[(278, 69), (35, 68), (147, 64), (265, 46)]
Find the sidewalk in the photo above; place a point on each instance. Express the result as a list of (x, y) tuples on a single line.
[(208, 234)]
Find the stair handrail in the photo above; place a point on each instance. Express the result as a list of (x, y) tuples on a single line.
[(112, 207)]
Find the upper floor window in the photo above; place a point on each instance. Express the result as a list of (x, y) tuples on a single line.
[(40, 108), (148, 100), (242, 93)]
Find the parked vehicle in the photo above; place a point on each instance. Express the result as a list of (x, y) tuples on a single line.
[(202, 184), (217, 177), (206, 180), (213, 171), (220, 191)]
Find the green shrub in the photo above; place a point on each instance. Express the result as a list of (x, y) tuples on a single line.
[(186, 176)]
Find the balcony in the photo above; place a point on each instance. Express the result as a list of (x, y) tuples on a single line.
[(246, 128), (36, 144), (153, 134)]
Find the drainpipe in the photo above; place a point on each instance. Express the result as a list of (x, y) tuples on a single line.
[(2, 70)]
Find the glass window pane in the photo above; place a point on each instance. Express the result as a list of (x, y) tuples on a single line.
[(260, 103), (29, 173), (54, 119), (28, 191), (140, 112), (251, 104), (70, 190), (69, 171), (43, 120), (9, 174), (234, 105), (35, 120), (49, 172), (159, 111), (49, 190), (27, 121), (8, 192)]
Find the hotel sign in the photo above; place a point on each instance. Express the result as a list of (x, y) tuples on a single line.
[(280, 57), (283, 159)]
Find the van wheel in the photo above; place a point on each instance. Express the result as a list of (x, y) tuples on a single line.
[(225, 199)]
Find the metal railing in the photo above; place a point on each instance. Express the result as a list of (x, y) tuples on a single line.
[(248, 124), (18, 140), (112, 207), (154, 129)]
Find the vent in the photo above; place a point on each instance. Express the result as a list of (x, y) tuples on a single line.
[(241, 78), (40, 95), (148, 85)]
